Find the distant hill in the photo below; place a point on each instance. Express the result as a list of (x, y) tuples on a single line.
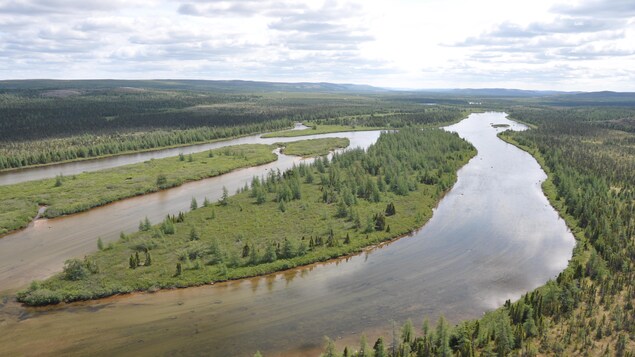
[(596, 98), (195, 85), (495, 92)]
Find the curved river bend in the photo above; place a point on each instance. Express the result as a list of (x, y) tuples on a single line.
[(40, 250), (493, 237)]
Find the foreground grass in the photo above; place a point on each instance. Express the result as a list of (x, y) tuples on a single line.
[(314, 147), (316, 129), (253, 233)]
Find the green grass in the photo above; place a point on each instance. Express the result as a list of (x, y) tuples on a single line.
[(208, 243), (318, 129), (19, 202), (314, 147)]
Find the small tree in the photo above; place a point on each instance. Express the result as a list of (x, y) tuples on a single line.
[(390, 209), (148, 261), (224, 199), (181, 157), (380, 222), (194, 234), (179, 269), (59, 180), (75, 269), (205, 202), (100, 244), (270, 253), (132, 262), (167, 227), (379, 348), (193, 204), (162, 180)]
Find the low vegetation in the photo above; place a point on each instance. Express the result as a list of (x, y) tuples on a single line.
[(315, 129), (65, 195), (358, 199), (314, 147)]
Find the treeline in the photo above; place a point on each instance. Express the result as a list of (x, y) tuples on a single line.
[(620, 118), (402, 118), (357, 199), (47, 126), (22, 154), (589, 308)]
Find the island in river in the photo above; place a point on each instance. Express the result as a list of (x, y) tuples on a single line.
[(357, 199)]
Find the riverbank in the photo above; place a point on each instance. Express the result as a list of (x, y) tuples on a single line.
[(241, 236), (313, 147), (67, 195), (315, 129)]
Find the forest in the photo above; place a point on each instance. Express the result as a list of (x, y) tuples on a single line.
[(588, 309), (47, 125), (357, 199)]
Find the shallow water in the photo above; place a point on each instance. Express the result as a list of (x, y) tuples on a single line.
[(40, 250), (493, 237)]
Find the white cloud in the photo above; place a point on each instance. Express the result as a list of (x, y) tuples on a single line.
[(542, 44)]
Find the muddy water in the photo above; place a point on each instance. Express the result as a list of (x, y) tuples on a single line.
[(492, 237), (72, 168), (40, 250)]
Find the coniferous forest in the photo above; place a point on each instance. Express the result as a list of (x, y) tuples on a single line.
[(40, 125), (588, 153), (356, 199)]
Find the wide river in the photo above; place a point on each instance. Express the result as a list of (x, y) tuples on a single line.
[(493, 237)]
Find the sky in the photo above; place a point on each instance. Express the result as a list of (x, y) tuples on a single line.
[(576, 45)]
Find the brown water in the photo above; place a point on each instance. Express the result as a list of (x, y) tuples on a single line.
[(40, 250), (76, 167), (491, 238)]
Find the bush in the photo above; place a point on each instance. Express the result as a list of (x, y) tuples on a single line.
[(40, 297), (74, 269)]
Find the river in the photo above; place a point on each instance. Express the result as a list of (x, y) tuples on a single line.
[(40, 250), (492, 237)]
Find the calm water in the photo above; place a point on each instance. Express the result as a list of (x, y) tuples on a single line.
[(40, 250), (493, 237)]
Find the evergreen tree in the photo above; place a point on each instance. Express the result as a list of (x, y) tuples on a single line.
[(194, 234), (193, 204), (224, 200), (379, 349), (442, 342), (270, 253)]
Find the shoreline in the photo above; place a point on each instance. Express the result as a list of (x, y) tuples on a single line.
[(331, 260)]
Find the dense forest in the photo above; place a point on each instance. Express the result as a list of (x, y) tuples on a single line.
[(357, 199), (588, 310), (53, 124)]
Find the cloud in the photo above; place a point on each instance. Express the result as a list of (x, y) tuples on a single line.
[(563, 38), (317, 40), (245, 8), (598, 8), (39, 7)]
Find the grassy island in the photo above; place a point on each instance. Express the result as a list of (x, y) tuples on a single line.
[(315, 129), (358, 199), (314, 147), (66, 195)]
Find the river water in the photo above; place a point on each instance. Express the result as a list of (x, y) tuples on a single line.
[(493, 237), (40, 250)]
